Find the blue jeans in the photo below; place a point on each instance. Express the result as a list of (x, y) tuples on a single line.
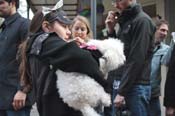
[(137, 100), (111, 111), (22, 112), (155, 107), (114, 94)]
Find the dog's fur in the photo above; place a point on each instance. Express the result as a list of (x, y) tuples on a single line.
[(82, 92)]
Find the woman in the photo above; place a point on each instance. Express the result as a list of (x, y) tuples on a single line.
[(84, 95), (44, 53)]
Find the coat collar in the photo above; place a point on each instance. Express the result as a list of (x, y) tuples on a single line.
[(11, 19), (161, 49), (130, 13)]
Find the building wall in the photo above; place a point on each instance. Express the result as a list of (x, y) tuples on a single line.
[(169, 13), (159, 5), (108, 6), (160, 8)]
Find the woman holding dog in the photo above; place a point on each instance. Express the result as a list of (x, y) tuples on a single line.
[(43, 53)]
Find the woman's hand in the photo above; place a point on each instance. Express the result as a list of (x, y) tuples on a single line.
[(19, 100)]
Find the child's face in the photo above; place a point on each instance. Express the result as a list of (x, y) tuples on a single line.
[(79, 29), (62, 30)]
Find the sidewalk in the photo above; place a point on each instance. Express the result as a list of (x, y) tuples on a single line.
[(34, 111)]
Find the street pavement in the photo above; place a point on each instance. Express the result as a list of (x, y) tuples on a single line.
[(34, 111)]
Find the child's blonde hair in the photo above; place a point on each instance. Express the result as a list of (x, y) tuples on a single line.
[(86, 22)]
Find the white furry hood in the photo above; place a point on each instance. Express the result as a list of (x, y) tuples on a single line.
[(113, 53)]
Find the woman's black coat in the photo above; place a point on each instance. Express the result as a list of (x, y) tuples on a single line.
[(47, 55)]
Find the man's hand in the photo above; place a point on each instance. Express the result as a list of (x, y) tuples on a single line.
[(170, 111), (119, 101), (19, 100), (111, 21)]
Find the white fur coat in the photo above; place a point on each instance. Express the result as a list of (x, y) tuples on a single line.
[(82, 92)]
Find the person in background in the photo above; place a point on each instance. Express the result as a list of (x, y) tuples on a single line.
[(169, 94), (166, 58), (81, 30), (160, 51), (13, 99), (136, 30)]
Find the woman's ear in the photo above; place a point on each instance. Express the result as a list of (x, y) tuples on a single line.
[(46, 27)]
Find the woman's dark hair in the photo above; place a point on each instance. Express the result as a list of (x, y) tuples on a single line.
[(25, 80), (35, 26), (36, 23), (16, 2), (37, 20)]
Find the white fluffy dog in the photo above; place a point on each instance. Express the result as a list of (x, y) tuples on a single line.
[(82, 92)]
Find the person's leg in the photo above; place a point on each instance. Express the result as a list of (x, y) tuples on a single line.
[(22, 112), (155, 107), (111, 111), (137, 100), (3, 113), (114, 94)]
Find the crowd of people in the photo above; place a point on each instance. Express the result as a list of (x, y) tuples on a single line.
[(32, 52)]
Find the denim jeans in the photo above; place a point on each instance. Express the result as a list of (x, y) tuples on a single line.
[(155, 107), (116, 84), (22, 112), (137, 100), (111, 111)]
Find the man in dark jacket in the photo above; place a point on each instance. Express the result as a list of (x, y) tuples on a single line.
[(170, 87), (13, 31), (136, 30)]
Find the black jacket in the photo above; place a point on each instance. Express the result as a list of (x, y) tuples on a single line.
[(14, 31), (137, 32), (51, 54), (170, 83)]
